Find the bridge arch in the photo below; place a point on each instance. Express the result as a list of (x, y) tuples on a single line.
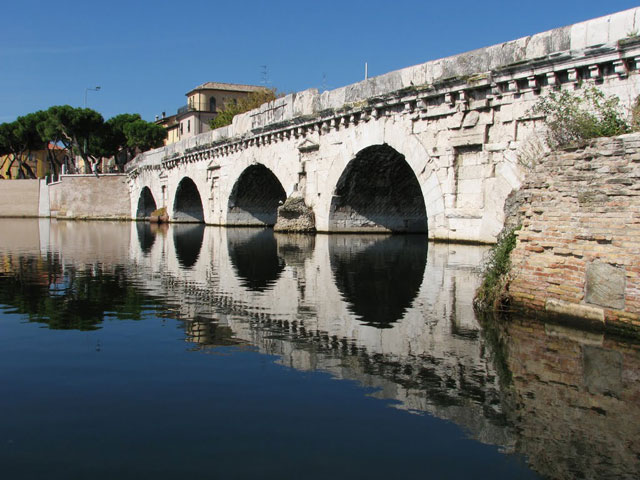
[(146, 204), (187, 203), (378, 191), (255, 197)]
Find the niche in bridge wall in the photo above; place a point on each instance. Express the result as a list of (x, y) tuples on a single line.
[(187, 240), (471, 168), (187, 206), (255, 198), (380, 276), (378, 191), (254, 255), (146, 204)]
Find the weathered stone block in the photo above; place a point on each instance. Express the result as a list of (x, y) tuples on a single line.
[(605, 285), (574, 310)]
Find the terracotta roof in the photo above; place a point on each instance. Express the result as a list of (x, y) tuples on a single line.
[(229, 87)]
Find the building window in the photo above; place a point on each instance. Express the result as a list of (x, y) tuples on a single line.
[(181, 129), (212, 104), (188, 126)]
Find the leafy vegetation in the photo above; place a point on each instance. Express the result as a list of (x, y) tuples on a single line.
[(496, 269), (68, 297), (571, 117), (81, 132), (251, 101)]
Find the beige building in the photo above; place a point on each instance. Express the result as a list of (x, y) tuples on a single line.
[(203, 104)]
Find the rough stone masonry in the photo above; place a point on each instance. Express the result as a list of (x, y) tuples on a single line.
[(578, 252)]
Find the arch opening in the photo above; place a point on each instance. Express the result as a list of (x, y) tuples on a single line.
[(187, 206), (255, 198), (378, 192), (146, 204)]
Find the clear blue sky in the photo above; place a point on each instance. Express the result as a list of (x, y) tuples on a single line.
[(147, 54)]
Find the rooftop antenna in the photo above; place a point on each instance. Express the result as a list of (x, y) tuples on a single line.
[(324, 81), (366, 70), (264, 70)]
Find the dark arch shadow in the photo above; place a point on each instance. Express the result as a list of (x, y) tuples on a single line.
[(255, 198), (378, 192), (380, 276), (187, 240), (254, 256), (187, 206), (146, 236), (146, 204)]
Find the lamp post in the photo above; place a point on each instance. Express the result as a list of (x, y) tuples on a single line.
[(86, 90)]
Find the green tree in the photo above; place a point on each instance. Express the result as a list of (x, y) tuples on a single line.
[(124, 135), (113, 140), (18, 139), (233, 108), (142, 135), (80, 130)]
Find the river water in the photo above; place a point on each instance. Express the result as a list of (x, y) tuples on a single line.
[(132, 351)]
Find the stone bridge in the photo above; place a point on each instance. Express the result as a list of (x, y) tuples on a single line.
[(432, 148)]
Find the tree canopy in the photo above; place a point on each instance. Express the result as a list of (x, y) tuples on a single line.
[(80, 132)]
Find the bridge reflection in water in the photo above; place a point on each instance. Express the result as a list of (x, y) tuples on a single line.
[(392, 313)]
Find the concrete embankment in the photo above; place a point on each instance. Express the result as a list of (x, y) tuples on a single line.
[(72, 197), (578, 252), (19, 198)]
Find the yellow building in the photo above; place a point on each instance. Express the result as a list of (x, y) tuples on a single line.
[(203, 104), (37, 161)]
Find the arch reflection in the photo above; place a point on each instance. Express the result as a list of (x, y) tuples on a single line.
[(379, 277), (254, 256), (188, 242), (146, 236)]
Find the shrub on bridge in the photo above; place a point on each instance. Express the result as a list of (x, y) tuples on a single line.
[(251, 101), (572, 117)]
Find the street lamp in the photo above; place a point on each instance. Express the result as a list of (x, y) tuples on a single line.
[(86, 90)]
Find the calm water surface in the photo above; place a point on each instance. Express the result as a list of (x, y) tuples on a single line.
[(129, 351)]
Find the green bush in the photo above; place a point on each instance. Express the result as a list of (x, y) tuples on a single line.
[(573, 117), (496, 268)]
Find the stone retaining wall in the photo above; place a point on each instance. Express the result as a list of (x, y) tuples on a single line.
[(19, 198), (578, 253), (90, 197)]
